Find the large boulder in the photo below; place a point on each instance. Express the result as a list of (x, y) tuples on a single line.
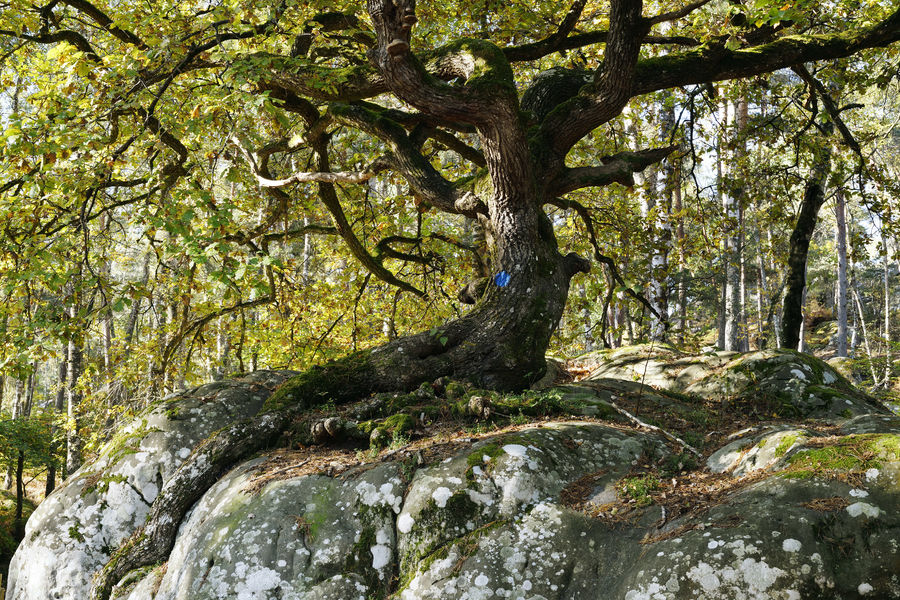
[(579, 506), (789, 383), (75, 530)]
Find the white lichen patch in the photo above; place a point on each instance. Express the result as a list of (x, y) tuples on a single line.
[(440, 496), (863, 508), (798, 374), (405, 523), (517, 450)]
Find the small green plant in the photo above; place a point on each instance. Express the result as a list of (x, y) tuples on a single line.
[(398, 440), (640, 488), (694, 438), (676, 463)]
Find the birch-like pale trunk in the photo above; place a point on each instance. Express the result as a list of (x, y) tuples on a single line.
[(840, 240)]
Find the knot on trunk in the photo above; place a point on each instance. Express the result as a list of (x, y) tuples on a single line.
[(572, 264), (393, 20), (473, 291)]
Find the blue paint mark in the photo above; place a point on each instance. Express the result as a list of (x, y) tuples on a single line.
[(501, 279)]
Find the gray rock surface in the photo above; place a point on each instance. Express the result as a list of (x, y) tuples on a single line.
[(804, 510), (73, 532)]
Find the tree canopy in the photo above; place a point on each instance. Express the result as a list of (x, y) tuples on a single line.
[(187, 165)]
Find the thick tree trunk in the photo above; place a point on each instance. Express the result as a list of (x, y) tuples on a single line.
[(499, 344)]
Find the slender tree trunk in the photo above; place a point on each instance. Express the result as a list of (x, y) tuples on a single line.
[(861, 319), (20, 496), (57, 408), (813, 198), (762, 293), (681, 296), (74, 443), (588, 330), (776, 314), (840, 239), (887, 313), (731, 203), (18, 403), (744, 330), (801, 346), (661, 182)]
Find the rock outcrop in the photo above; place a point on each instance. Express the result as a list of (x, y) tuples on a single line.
[(583, 504)]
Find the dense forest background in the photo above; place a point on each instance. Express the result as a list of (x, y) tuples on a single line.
[(141, 253)]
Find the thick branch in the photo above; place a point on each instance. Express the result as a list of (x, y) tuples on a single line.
[(105, 22), (715, 62), (65, 35), (618, 168), (550, 44), (612, 86), (489, 86)]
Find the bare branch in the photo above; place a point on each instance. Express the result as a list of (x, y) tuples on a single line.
[(106, 22), (678, 14), (550, 44), (425, 180), (830, 107), (586, 218)]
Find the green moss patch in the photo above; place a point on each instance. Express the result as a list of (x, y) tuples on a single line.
[(341, 381), (844, 455), (467, 545), (786, 444)]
